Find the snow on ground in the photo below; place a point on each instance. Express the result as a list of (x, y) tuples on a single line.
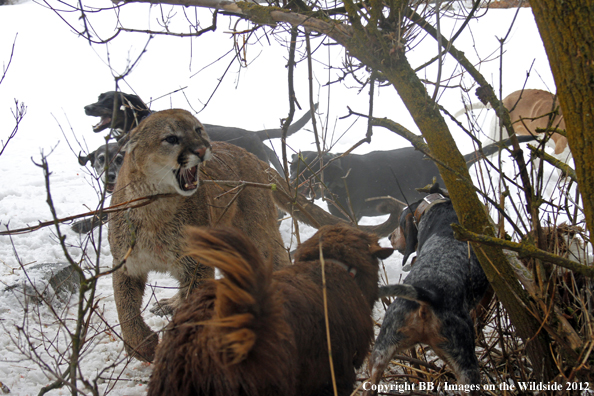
[(55, 73)]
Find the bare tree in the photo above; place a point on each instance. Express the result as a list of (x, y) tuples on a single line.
[(19, 108)]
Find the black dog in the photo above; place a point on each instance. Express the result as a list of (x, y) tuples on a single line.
[(446, 281), (122, 112), (106, 160), (118, 111), (374, 175)]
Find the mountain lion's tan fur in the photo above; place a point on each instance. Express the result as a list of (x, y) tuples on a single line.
[(166, 154)]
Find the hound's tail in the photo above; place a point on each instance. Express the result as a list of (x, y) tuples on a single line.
[(294, 127), (409, 292), (247, 307)]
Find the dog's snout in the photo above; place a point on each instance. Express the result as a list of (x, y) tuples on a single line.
[(111, 177)]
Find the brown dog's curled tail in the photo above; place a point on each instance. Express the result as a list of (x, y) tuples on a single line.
[(245, 296)]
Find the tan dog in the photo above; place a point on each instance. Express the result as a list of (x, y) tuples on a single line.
[(260, 333), (167, 154), (532, 109), (529, 110)]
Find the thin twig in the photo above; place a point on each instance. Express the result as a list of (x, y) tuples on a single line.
[(326, 320)]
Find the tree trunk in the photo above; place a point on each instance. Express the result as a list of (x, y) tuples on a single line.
[(567, 31)]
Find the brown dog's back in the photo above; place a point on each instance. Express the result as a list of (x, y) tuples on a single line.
[(350, 300), (351, 328)]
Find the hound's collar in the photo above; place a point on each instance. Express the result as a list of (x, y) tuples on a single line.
[(352, 271), (427, 203)]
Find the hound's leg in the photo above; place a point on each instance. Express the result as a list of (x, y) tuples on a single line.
[(458, 349), (388, 343)]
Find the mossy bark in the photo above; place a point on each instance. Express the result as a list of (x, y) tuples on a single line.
[(567, 31)]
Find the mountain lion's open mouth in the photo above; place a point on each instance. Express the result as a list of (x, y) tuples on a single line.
[(103, 123), (187, 178)]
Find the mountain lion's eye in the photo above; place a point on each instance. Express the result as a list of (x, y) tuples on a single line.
[(172, 139)]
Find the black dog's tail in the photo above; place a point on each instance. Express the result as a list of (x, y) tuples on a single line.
[(492, 148), (247, 309), (409, 292), (294, 127)]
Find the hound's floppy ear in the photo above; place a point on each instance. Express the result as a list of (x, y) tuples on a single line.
[(436, 189), (410, 233), (83, 160), (334, 172), (337, 163), (380, 252)]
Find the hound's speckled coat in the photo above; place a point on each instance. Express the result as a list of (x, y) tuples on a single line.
[(444, 284)]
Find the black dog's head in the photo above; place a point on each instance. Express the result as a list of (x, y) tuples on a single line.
[(117, 111), (305, 166), (405, 237), (111, 155)]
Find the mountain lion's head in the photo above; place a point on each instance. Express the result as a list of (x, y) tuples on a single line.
[(167, 149)]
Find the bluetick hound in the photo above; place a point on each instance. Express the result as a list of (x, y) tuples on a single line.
[(444, 284)]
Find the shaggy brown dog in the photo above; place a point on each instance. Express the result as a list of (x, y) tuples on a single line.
[(255, 332)]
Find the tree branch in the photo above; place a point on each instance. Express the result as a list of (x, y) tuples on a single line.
[(524, 249), (265, 15)]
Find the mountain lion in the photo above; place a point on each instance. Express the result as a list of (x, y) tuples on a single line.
[(170, 153)]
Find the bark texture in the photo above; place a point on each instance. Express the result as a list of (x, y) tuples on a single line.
[(567, 31)]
